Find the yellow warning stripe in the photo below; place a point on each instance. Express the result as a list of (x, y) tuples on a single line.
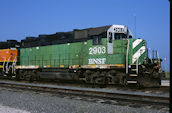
[(61, 66), (75, 66), (119, 65), (104, 66), (27, 67), (7, 61), (4, 49), (93, 65)]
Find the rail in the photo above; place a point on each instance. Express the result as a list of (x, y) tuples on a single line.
[(142, 99)]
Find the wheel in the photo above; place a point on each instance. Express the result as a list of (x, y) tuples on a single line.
[(29, 76), (124, 82), (87, 75), (17, 77)]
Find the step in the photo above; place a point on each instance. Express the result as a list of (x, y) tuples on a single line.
[(133, 66), (133, 69), (132, 82), (133, 75), (82, 79)]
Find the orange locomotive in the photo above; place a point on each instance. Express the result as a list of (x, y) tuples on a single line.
[(8, 59)]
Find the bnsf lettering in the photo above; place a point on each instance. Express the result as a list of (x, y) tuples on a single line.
[(97, 50), (97, 61)]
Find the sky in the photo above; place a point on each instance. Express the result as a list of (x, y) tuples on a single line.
[(23, 18)]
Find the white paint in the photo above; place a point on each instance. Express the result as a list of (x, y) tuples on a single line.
[(138, 53), (118, 29), (27, 67), (97, 61), (110, 47), (136, 42), (97, 50)]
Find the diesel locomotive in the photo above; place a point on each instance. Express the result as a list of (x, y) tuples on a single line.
[(101, 55)]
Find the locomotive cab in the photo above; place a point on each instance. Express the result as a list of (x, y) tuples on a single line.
[(116, 32)]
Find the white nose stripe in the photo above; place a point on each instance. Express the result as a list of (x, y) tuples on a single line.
[(136, 42), (138, 53)]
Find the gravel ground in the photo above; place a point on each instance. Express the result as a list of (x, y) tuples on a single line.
[(24, 102)]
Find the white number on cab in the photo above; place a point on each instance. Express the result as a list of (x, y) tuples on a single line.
[(97, 50)]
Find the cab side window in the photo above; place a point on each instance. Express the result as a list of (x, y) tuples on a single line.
[(97, 40), (110, 37)]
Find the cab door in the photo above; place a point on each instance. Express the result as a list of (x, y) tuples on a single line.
[(110, 38)]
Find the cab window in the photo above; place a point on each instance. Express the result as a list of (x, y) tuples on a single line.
[(110, 37), (97, 40), (120, 36)]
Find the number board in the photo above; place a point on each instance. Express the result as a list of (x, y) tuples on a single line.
[(119, 30)]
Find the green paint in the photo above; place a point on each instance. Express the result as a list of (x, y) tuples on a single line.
[(77, 54)]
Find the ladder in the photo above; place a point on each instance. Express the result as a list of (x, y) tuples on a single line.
[(133, 73), (131, 70)]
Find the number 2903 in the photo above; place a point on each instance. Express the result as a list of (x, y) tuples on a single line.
[(97, 50)]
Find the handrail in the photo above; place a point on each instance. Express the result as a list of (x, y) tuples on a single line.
[(150, 55), (7, 69), (160, 70), (13, 65), (4, 65), (158, 56), (137, 66), (127, 57)]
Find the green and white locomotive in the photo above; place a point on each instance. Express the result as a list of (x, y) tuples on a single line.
[(101, 55)]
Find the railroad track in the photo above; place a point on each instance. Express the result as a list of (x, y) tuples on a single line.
[(123, 97)]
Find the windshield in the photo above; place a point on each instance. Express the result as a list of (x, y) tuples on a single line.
[(120, 36)]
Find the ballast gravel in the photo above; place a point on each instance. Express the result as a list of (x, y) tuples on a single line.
[(109, 90), (17, 101)]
